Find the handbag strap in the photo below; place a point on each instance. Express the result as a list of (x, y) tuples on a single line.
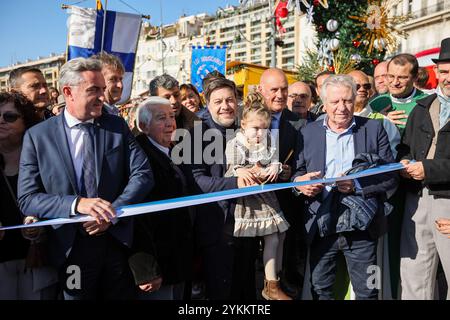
[(8, 185)]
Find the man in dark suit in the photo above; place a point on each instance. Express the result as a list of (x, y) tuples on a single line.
[(284, 129), (228, 261), (327, 149), (113, 71), (164, 237), (166, 86), (83, 162), (31, 83)]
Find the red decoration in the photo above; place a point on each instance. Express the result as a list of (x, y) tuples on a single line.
[(356, 43), (321, 28), (331, 68), (281, 12), (375, 61), (284, 12), (316, 3)]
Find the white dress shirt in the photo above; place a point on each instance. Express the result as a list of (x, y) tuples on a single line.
[(75, 138), (163, 149)]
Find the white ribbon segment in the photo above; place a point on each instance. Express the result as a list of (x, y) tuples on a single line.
[(162, 205)]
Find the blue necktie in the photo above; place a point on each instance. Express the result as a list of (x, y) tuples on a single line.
[(88, 177), (274, 123)]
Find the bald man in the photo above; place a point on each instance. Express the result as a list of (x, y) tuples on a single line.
[(379, 75), (363, 109), (285, 125), (299, 100)]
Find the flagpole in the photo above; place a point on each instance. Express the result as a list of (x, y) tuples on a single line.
[(161, 37), (104, 25)]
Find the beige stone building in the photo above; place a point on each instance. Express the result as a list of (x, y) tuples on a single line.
[(429, 25), (246, 30), (169, 53), (48, 65)]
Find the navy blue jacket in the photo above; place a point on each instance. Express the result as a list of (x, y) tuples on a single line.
[(205, 178), (47, 183), (369, 137)]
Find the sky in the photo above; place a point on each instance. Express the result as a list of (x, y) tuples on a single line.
[(32, 28)]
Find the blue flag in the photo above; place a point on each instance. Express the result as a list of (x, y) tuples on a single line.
[(120, 38), (205, 60)]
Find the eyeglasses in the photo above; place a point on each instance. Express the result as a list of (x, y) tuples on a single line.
[(10, 117), (366, 86), (295, 96), (403, 79)]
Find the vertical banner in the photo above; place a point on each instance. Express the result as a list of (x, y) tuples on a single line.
[(205, 60), (120, 38)]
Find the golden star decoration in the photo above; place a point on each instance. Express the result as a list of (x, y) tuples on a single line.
[(378, 28)]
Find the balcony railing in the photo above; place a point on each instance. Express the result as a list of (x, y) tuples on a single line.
[(440, 6)]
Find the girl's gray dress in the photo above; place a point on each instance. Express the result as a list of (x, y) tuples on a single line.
[(259, 214)]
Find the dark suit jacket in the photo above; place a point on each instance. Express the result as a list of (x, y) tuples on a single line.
[(290, 124), (167, 236), (416, 143), (206, 178), (47, 183), (368, 136)]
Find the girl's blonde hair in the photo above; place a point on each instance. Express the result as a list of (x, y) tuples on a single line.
[(255, 104)]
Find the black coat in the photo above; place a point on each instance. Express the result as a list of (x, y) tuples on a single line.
[(415, 144), (290, 125), (166, 235), (205, 178), (13, 246)]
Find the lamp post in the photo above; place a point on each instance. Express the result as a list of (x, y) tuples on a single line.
[(273, 48)]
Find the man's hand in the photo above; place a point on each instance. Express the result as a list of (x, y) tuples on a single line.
[(396, 116), (286, 174), (270, 174), (443, 226), (151, 286), (97, 208), (31, 233), (346, 186), (93, 228), (416, 170), (246, 177), (310, 190), (403, 172)]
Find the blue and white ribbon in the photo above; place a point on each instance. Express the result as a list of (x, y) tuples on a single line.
[(161, 205)]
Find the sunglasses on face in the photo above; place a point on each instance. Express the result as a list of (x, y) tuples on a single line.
[(366, 86), (10, 117)]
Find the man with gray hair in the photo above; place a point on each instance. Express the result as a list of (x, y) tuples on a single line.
[(85, 162), (347, 217), (163, 240), (166, 86)]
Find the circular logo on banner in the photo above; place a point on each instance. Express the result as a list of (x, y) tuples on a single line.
[(206, 61)]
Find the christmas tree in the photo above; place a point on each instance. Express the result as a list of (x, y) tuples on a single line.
[(350, 35)]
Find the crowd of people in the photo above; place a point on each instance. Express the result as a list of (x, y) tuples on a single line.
[(75, 152)]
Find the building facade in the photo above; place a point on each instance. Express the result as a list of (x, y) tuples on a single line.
[(247, 32), (48, 65), (166, 49), (429, 25)]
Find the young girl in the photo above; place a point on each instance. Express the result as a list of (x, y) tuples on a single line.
[(250, 155)]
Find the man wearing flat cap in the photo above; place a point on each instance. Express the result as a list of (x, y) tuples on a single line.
[(426, 140)]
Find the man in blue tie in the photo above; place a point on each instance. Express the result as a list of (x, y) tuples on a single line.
[(85, 162)]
